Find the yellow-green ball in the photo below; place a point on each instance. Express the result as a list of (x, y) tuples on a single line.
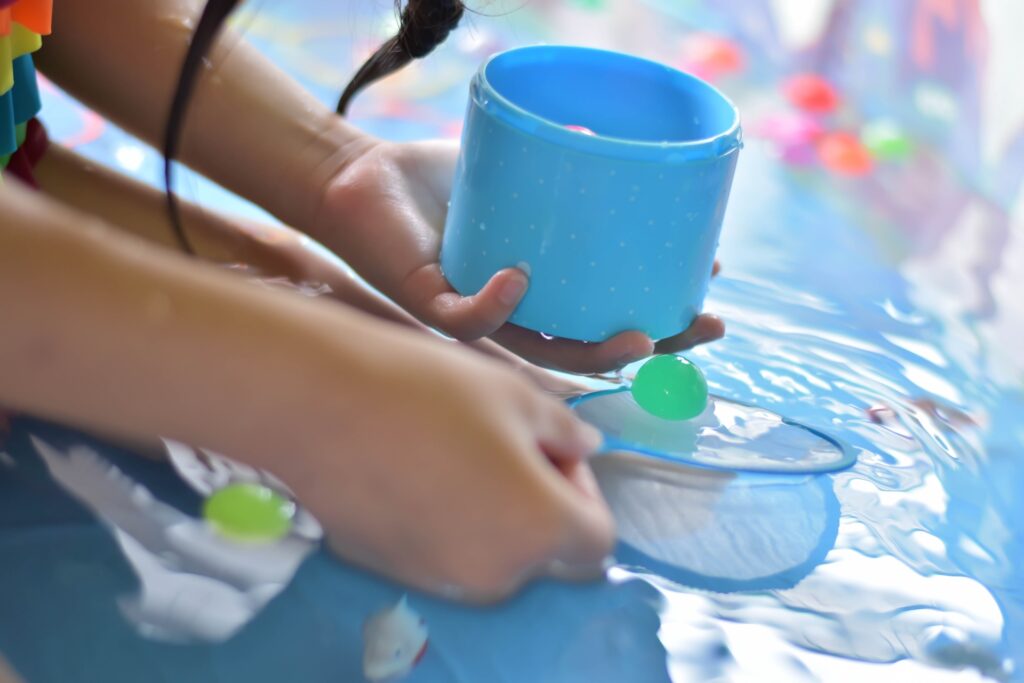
[(671, 387), (249, 512)]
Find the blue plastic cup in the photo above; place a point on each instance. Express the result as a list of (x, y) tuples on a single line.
[(618, 229)]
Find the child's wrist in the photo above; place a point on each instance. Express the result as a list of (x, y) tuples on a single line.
[(334, 146)]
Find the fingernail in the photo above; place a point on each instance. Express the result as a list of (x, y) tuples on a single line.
[(512, 291)]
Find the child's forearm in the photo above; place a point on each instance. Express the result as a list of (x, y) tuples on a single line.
[(250, 126), (138, 208), (142, 210), (124, 338)]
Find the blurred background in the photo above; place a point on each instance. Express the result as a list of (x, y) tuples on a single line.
[(873, 257)]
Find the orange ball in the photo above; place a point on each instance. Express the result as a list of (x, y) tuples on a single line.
[(812, 93), (844, 154), (709, 56)]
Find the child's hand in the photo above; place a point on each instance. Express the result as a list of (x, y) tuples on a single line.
[(385, 214), (457, 476)]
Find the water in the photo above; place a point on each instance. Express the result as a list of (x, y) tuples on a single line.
[(726, 435), (898, 290)]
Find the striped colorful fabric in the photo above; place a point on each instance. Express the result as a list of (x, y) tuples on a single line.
[(22, 25)]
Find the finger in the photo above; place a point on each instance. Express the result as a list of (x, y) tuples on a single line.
[(555, 385), (466, 317), (706, 328), (589, 535), (562, 436), (581, 476), (716, 268), (585, 530), (574, 356)]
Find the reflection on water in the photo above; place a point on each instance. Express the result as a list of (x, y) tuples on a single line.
[(727, 435), (194, 584), (717, 530), (907, 566)]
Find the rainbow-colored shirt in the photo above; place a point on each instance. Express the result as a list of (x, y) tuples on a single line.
[(22, 25)]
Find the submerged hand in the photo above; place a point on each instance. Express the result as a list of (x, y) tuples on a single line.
[(385, 213)]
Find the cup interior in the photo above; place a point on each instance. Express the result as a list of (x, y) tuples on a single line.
[(614, 95)]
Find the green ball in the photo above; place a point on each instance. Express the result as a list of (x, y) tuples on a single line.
[(249, 512), (886, 140), (671, 387)]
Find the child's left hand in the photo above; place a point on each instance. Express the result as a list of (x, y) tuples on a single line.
[(385, 213)]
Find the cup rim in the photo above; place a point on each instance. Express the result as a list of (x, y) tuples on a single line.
[(711, 147)]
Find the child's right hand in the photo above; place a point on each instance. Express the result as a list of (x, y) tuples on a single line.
[(457, 475)]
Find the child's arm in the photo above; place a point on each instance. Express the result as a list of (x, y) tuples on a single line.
[(250, 126), (270, 251), (117, 335), (256, 131), (137, 208)]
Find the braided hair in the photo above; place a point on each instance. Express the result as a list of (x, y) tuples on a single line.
[(423, 25)]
